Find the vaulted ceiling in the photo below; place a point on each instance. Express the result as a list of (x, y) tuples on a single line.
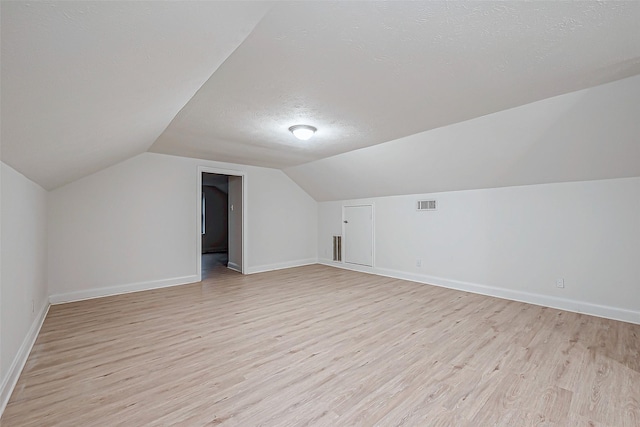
[(88, 84)]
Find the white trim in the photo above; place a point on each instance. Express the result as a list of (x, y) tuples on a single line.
[(220, 171), (121, 289), (11, 379), (235, 267), (281, 265), (566, 304)]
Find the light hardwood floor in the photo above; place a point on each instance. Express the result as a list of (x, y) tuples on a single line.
[(322, 346)]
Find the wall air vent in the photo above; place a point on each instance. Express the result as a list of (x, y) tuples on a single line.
[(426, 205)]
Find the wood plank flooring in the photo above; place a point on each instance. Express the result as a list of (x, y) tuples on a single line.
[(319, 346)]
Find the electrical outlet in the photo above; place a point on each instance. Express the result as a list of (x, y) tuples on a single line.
[(559, 283), (418, 263)]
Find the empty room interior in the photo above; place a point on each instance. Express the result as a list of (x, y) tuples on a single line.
[(320, 213)]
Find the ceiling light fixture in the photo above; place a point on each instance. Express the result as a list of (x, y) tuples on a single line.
[(302, 132)]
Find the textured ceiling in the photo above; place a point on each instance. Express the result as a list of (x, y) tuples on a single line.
[(88, 84), (365, 73), (584, 135)]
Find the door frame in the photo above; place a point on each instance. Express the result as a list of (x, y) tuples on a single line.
[(228, 172), (373, 234)]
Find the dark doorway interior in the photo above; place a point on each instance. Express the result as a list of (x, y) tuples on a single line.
[(215, 219)]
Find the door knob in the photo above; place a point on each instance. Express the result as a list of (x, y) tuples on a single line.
[(346, 222)]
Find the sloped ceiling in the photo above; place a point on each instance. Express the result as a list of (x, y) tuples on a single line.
[(364, 73), (85, 85), (585, 135)]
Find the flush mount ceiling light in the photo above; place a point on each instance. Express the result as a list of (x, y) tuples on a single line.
[(302, 132)]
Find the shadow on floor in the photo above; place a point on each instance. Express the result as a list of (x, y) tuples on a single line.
[(214, 264)]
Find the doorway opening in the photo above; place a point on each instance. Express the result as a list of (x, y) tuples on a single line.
[(215, 222), (220, 202)]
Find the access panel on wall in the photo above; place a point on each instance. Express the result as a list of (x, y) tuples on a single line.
[(358, 234)]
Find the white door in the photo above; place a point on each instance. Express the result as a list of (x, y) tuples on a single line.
[(358, 235)]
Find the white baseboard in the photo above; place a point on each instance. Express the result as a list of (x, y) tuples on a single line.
[(10, 380), (120, 289), (233, 266), (566, 304), (281, 265)]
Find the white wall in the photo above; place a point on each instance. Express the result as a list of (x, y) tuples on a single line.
[(22, 270), (134, 226), (514, 242)]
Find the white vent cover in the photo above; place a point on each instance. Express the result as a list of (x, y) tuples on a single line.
[(426, 205)]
